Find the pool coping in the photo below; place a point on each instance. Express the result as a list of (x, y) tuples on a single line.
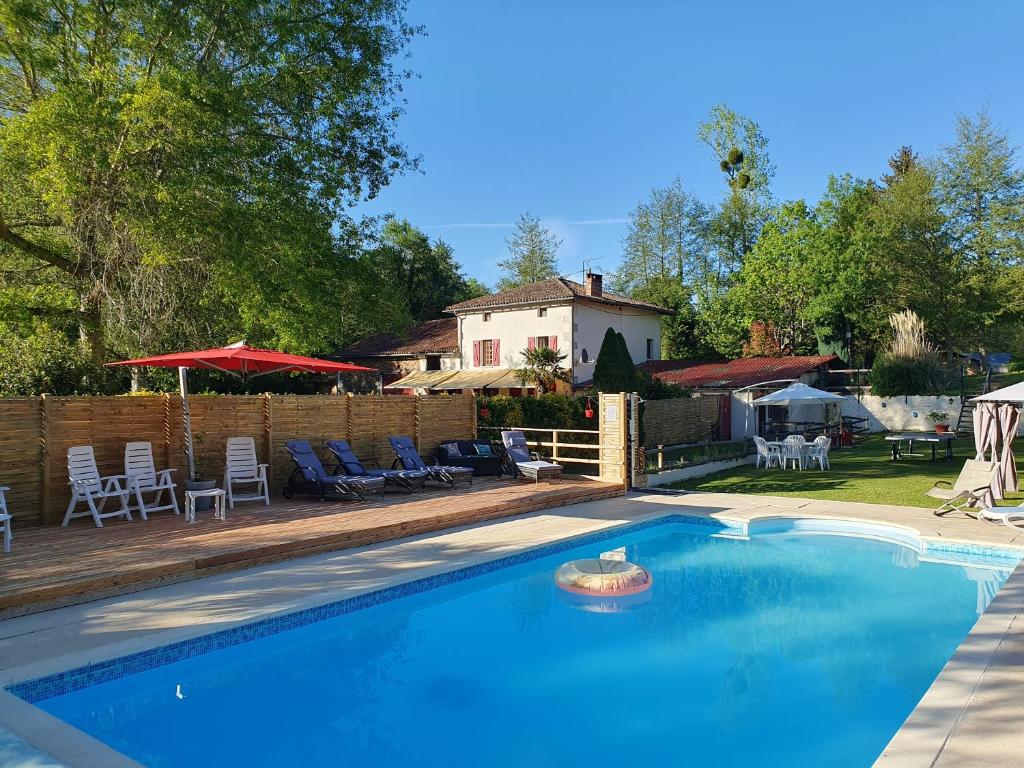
[(67, 743)]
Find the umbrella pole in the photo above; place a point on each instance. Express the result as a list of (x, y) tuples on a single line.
[(186, 418)]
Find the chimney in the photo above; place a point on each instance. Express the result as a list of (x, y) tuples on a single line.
[(592, 284)]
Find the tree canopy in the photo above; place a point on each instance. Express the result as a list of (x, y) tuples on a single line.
[(162, 160), (532, 254)]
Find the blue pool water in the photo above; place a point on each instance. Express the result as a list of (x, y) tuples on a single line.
[(794, 650)]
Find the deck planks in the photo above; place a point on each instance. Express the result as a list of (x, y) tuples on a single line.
[(52, 566)]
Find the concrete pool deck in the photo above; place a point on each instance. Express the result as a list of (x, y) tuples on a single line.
[(973, 715)]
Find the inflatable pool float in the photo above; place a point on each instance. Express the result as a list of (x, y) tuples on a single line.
[(603, 577)]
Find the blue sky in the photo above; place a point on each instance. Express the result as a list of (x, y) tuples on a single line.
[(574, 110)]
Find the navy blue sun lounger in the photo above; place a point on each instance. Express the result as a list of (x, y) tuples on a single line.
[(349, 463), (311, 477), (409, 458)]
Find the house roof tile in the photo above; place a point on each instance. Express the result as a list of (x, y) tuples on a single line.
[(554, 289), (735, 374), (429, 337)]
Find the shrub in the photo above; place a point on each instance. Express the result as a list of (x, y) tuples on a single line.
[(892, 375), (47, 361), (911, 365), (549, 411), (650, 388), (614, 370)]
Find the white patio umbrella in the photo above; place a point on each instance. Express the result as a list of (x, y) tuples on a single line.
[(798, 393)]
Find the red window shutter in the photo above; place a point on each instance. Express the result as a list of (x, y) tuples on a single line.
[(495, 352), (531, 343), (476, 353), (553, 342)]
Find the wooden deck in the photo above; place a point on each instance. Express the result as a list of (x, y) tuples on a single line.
[(53, 566)]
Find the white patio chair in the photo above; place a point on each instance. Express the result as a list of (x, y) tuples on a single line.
[(973, 486), (243, 467), (87, 486), (817, 451), (1011, 517), (768, 455), (5, 519), (138, 465), (793, 449)]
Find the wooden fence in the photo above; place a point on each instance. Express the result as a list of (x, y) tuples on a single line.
[(679, 420), (35, 434)]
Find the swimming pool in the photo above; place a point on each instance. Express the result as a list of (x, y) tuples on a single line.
[(790, 647)]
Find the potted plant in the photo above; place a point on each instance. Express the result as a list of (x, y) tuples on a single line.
[(940, 420)]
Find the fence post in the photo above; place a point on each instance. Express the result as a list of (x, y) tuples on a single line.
[(416, 423), (661, 457), (473, 416), (612, 428), (268, 424), (348, 417), (554, 445), (44, 453)]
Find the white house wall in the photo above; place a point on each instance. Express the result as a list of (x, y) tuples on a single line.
[(592, 320), (513, 328)]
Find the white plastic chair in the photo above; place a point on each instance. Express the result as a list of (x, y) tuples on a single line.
[(818, 451), (138, 465), (87, 486), (793, 450), (5, 519), (769, 455), (243, 467)]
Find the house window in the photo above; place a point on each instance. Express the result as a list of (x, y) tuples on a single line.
[(486, 353), (433, 362), (487, 317), (650, 349), (542, 312), (542, 342)]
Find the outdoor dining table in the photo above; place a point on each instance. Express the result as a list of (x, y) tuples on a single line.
[(934, 438), (805, 448)]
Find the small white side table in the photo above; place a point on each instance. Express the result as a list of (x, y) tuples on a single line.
[(5, 520), (216, 494)]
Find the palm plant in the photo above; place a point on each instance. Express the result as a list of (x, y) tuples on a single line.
[(542, 367)]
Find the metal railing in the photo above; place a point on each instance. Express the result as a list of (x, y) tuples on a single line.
[(555, 443)]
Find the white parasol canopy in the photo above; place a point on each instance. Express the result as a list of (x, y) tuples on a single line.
[(798, 393), (1011, 394)]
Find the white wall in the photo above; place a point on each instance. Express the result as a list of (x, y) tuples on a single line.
[(901, 413), (513, 327), (591, 321)]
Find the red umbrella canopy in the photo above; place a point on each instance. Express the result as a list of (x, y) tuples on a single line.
[(243, 360)]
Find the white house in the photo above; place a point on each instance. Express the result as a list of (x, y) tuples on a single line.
[(495, 330)]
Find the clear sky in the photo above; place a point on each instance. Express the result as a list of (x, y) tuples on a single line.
[(574, 110)]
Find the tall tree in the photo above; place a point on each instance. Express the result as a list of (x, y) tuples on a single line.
[(665, 241), (775, 287), (742, 152), (981, 190), (140, 135), (532, 254), (424, 275)]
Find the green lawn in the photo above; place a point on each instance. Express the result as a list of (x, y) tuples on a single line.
[(864, 472)]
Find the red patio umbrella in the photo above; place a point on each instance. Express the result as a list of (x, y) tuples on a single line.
[(239, 360)]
